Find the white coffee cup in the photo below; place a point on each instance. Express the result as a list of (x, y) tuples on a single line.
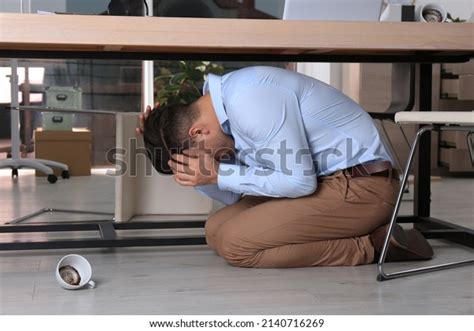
[(434, 7), (82, 267)]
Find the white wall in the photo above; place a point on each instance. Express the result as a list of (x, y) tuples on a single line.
[(330, 73)]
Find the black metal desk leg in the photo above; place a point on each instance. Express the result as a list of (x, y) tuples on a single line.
[(423, 161)]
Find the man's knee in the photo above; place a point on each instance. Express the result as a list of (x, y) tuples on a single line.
[(235, 256), (216, 219), (234, 248), (210, 227)]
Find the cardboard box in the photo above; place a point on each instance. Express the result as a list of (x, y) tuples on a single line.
[(70, 147), (466, 87)]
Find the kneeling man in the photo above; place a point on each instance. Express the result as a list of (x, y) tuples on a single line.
[(300, 166)]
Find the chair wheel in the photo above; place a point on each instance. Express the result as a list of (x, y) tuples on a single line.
[(14, 173), (52, 179), (65, 174)]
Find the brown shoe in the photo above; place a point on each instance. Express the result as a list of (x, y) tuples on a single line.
[(405, 245)]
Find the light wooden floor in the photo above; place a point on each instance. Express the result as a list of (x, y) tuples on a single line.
[(193, 280)]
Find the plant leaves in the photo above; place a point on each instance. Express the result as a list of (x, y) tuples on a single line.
[(184, 86)]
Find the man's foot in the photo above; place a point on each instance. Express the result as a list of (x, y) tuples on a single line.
[(405, 245)]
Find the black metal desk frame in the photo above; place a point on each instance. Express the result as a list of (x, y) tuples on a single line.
[(108, 230)]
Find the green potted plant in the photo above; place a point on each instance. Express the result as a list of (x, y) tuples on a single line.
[(185, 85)]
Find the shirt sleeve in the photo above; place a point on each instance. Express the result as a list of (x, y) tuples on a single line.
[(269, 119), (213, 192)]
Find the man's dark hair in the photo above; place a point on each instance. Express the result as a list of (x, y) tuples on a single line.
[(165, 132)]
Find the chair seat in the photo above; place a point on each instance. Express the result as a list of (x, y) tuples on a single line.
[(436, 117)]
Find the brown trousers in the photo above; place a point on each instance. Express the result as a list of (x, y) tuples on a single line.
[(330, 227)]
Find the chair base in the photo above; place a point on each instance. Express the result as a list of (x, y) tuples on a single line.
[(430, 227), (404, 273), (44, 166), (55, 210)]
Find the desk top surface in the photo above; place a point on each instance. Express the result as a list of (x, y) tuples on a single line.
[(83, 33)]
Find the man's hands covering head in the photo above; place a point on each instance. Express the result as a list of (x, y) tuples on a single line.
[(143, 117), (194, 167)]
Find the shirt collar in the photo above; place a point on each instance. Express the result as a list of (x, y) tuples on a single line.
[(213, 85)]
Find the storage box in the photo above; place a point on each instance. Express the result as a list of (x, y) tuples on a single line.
[(61, 97), (70, 147), (57, 121)]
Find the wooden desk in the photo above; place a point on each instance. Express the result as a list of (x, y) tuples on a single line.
[(68, 36), (33, 35)]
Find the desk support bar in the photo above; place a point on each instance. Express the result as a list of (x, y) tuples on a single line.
[(108, 235), (415, 57)]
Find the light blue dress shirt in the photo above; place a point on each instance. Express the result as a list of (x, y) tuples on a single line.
[(288, 130)]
